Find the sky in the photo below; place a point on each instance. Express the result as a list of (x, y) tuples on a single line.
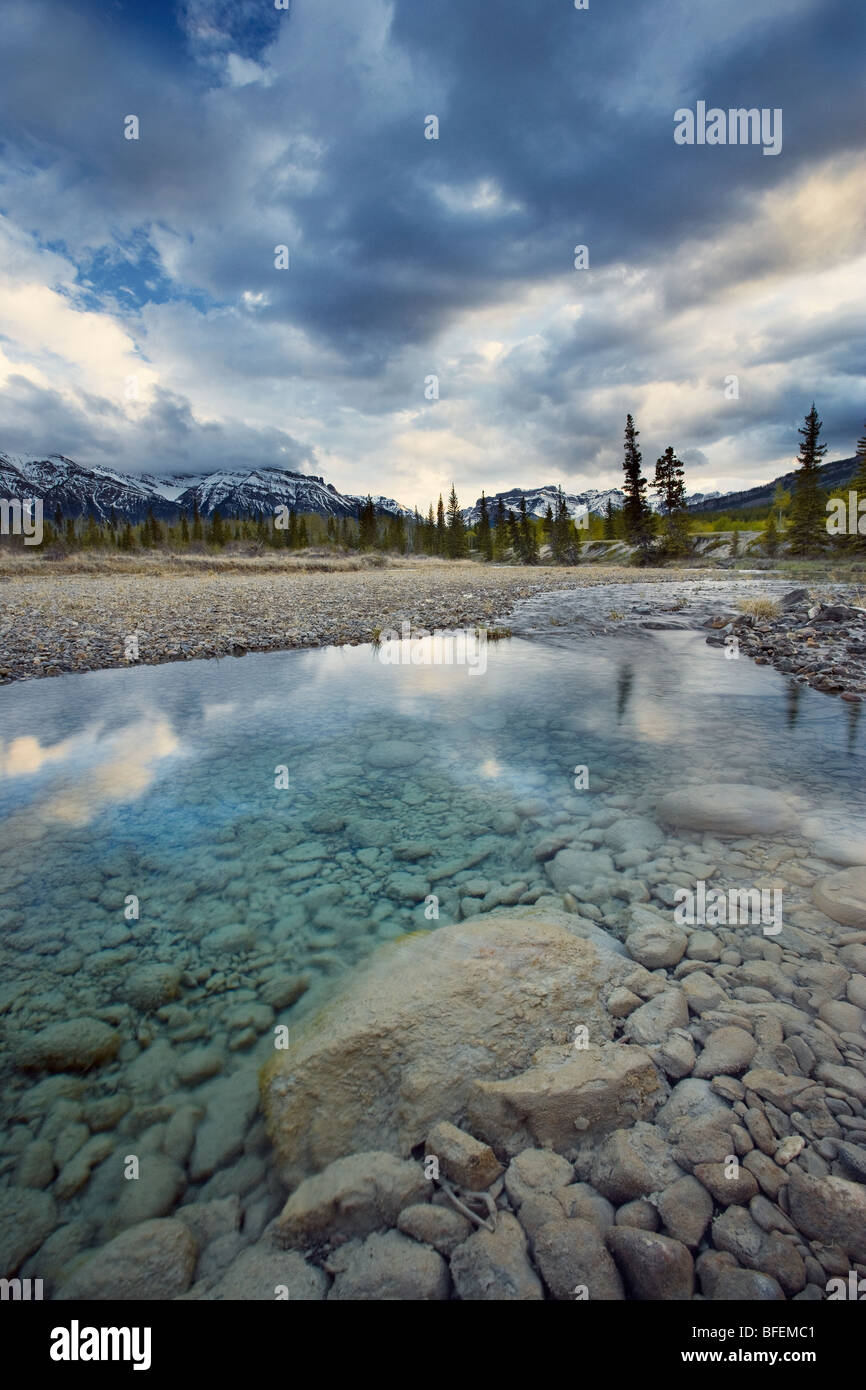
[(145, 323)]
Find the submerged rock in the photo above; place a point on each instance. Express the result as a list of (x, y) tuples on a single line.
[(728, 809), (411, 1035), (77, 1045)]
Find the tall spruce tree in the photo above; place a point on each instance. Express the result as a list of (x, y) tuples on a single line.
[(440, 527), (500, 530), (457, 543), (636, 510), (367, 524), (669, 484), (808, 529), (485, 535)]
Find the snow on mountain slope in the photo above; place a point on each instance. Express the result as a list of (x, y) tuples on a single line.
[(539, 498)]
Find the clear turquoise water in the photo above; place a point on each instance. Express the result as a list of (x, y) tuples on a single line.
[(160, 782)]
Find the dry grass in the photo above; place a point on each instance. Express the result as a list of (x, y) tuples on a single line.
[(759, 607)]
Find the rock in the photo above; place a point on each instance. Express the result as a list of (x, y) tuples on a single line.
[(842, 896), (704, 946), (493, 1266), (632, 1163), (388, 1268), (230, 941), (621, 1002), (639, 1213), (145, 1263), (199, 1065), (794, 598), (231, 1104), (441, 1227), (747, 1286), (691, 1099), (654, 1266), (284, 991), (410, 888), (738, 1189), (353, 1197), (676, 1055), (151, 986), (848, 1079), (210, 1220), (390, 753), (536, 1171), (830, 1209), (773, 1254), (728, 809), (26, 1218), (771, 1178), (78, 1045), (578, 866), (448, 1010), (552, 1106), (656, 1019), (633, 832), (686, 1209), (35, 1166), (728, 1052), (153, 1193), (657, 946), (265, 1274), (702, 992), (571, 1257), (463, 1159), (774, 1086)]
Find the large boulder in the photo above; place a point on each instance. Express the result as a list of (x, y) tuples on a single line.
[(355, 1196), (407, 1040), (152, 1261), (843, 896), (728, 809)]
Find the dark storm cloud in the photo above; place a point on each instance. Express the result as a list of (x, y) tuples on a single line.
[(261, 128)]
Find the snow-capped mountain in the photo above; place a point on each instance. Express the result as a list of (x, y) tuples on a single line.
[(97, 491), (538, 499)]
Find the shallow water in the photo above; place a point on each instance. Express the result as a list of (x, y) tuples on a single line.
[(403, 782)]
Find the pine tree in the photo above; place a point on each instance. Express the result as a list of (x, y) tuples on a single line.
[(636, 511), (564, 537), (197, 528), (547, 524), (367, 525), (513, 534), (670, 486), (457, 542), (485, 535), (127, 540), (303, 540), (500, 530), (808, 515), (609, 522), (184, 530), (217, 530), (771, 534), (440, 527), (527, 543)]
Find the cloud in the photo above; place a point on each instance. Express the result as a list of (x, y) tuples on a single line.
[(412, 257)]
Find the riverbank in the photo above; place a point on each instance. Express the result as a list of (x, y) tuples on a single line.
[(51, 624)]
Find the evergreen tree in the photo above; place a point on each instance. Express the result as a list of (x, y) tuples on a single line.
[(485, 535), (527, 541), (500, 530), (808, 515), (564, 537), (440, 527), (771, 534), (184, 530), (127, 540), (217, 530), (636, 511), (303, 539), (430, 532), (367, 525), (58, 519), (197, 528), (547, 524), (70, 531), (457, 542), (670, 486), (609, 522)]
